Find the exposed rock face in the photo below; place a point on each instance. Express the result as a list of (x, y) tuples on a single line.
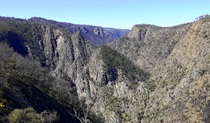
[(148, 45), (93, 34), (177, 58), (152, 74), (66, 55), (138, 33)]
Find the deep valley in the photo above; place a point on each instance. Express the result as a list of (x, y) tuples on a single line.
[(61, 72)]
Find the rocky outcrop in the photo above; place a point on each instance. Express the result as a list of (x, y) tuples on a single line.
[(94, 34), (152, 74), (65, 54), (177, 59), (148, 45)]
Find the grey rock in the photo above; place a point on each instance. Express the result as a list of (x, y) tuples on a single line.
[(176, 58), (94, 34)]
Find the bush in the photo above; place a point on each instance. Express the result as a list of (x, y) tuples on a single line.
[(29, 115), (151, 85)]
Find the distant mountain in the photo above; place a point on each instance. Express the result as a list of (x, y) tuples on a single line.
[(151, 74), (94, 34)]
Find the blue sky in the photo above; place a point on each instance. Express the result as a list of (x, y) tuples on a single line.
[(108, 13)]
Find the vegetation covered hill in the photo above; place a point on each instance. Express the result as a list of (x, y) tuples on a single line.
[(94, 34), (152, 74), (29, 93), (178, 62), (24, 84)]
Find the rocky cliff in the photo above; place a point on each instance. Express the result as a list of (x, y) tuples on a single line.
[(177, 60), (152, 74), (94, 34)]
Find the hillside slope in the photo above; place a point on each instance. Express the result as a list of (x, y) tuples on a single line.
[(183, 78), (94, 34), (178, 62), (23, 85), (152, 74), (61, 55)]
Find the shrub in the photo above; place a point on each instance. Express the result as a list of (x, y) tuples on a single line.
[(29, 115), (151, 86)]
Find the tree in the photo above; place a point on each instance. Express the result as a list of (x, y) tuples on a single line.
[(202, 17), (29, 115), (83, 110)]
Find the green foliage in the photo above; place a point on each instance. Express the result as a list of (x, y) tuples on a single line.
[(132, 85), (151, 85), (29, 115), (114, 61), (177, 77), (165, 83), (113, 103), (18, 34), (23, 82), (22, 79), (203, 69)]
